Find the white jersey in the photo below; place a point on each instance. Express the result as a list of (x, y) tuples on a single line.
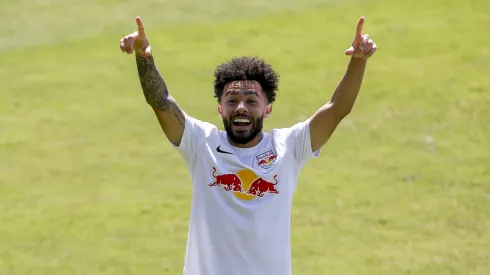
[(242, 198)]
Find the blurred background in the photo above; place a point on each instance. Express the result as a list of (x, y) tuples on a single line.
[(90, 185)]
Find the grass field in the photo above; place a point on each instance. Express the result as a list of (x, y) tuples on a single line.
[(89, 184)]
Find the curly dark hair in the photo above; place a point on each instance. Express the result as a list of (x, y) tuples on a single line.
[(247, 68)]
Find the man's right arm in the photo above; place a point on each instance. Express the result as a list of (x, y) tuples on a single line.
[(168, 112)]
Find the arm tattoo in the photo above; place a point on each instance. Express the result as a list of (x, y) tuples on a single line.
[(176, 110), (155, 89)]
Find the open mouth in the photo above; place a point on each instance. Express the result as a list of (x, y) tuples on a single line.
[(241, 122)]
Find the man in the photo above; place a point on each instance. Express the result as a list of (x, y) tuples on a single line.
[(243, 178)]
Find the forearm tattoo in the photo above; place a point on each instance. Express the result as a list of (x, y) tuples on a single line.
[(155, 89)]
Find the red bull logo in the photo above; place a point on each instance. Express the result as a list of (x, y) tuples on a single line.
[(254, 185), (228, 181), (266, 160)]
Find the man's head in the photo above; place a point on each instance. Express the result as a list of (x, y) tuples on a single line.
[(245, 88)]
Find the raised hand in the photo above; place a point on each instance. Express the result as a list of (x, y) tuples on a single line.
[(136, 42), (362, 46)]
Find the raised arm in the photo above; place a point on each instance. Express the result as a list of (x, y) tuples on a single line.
[(324, 121), (167, 111)]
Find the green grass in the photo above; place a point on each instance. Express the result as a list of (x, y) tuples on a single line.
[(89, 184)]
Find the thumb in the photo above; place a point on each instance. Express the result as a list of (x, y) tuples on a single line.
[(350, 51), (148, 51)]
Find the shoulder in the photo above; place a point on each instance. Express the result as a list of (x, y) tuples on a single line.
[(196, 125), (291, 131)]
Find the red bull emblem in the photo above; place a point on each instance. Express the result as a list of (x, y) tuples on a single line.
[(266, 160), (261, 186), (229, 181), (245, 184)]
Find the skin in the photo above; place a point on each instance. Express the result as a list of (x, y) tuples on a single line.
[(326, 119), (245, 97), (169, 114)]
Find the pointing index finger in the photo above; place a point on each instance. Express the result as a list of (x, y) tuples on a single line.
[(141, 29), (360, 23)]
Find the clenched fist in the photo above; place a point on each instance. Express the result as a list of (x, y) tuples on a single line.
[(136, 42)]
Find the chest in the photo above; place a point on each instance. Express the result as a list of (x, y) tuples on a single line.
[(255, 176)]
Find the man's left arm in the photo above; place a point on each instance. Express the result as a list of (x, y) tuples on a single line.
[(324, 121)]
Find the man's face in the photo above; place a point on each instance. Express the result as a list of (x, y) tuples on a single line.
[(243, 106)]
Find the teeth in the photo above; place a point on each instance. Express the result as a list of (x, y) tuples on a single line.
[(242, 120)]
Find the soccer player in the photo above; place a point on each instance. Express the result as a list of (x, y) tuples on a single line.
[(243, 178)]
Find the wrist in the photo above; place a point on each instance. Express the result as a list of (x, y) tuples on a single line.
[(357, 62), (358, 59)]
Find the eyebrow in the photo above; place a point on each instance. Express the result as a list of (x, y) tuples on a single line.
[(245, 92)]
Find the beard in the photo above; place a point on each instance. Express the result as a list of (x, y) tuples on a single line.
[(243, 137)]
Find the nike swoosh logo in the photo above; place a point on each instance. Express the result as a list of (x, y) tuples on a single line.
[(221, 151)]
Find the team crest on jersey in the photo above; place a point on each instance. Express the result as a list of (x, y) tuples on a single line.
[(266, 160)]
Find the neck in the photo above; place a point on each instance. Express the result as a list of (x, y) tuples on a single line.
[(250, 144)]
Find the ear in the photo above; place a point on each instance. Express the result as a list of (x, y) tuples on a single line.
[(220, 111), (268, 110)]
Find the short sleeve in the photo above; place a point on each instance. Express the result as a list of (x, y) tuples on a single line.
[(301, 142), (195, 132)]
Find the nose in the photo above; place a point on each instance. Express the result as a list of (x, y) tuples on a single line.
[(241, 109)]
